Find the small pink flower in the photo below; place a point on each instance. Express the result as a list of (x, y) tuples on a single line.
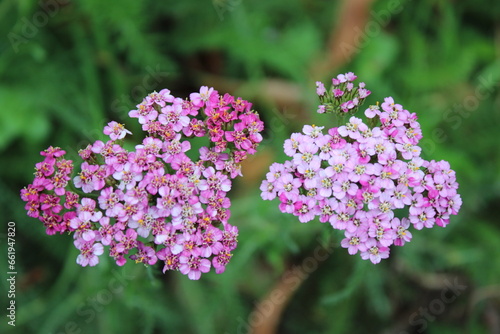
[(89, 252), (116, 130), (374, 251), (198, 99), (193, 266), (320, 88)]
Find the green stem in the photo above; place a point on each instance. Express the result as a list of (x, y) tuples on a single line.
[(339, 119)]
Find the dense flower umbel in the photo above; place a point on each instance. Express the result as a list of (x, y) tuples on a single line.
[(358, 178), (154, 202)]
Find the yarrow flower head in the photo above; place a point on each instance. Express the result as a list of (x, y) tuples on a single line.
[(155, 203), (363, 179)]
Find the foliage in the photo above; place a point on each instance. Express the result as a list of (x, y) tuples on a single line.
[(92, 61)]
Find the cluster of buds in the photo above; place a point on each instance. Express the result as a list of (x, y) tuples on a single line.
[(155, 202), (369, 182), (343, 97)]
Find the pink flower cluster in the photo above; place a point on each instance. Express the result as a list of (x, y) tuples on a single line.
[(369, 182), (155, 202), (343, 97), (47, 196)]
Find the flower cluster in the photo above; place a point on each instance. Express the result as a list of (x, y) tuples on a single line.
[(369, 182), (44, 195), (155, 202), (343, 97)]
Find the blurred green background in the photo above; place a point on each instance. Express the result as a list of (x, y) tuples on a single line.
[(69, 67)]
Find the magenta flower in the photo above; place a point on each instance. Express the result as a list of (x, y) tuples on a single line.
[(144, 254), (173, 148), (126, 241), (198, 99), (50, 203), (402, 233), (115, 130), (145, 113), (239, 138), (327, 207), (154, 180), (374, 251), (215, 182), (286, 183), (354, 242), (424, 219), (173, 116), (210, 242), (353, 128), (193, 266), (306, 152), (305, 209), (54, 152), (88, 178), (109, 200), (129, 176), (320, 90), (195, 128), (289, 202), (268, 190), (171, 261), (89, 252), (221, 260), (342, 186)]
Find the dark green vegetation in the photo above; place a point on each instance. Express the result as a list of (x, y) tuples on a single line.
[(66, 70)]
